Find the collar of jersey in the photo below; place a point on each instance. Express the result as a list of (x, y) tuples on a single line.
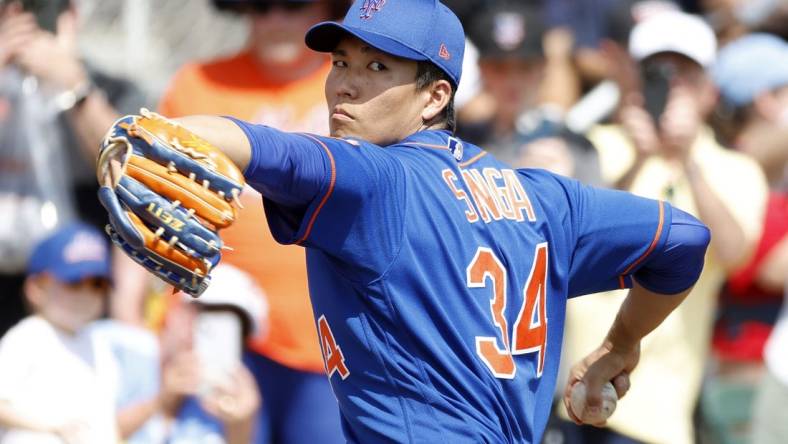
[(432, 137), (436, 139)]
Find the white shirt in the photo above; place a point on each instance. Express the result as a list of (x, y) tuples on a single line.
[(56, 377), (776, 350)]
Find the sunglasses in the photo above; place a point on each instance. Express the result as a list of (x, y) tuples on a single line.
[(94, 283), (264, 7)]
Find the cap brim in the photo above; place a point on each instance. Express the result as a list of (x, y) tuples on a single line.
[(325, 36), (77, 272)]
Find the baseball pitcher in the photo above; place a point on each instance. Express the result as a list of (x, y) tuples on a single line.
[(438, 275)]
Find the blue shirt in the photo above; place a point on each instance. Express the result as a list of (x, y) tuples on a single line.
[(439, 275)]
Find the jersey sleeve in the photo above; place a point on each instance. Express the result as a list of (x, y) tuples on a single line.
[(617, 237), (615, 232), (341, 197), (678, 265), (612, 236)]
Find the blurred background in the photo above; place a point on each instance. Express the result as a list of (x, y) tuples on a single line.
[(685, 101)]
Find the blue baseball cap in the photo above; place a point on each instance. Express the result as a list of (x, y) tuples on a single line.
[(421, 30), (71, 253), (749, 66)]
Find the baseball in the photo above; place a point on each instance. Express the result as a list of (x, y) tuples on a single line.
[(578, 403)]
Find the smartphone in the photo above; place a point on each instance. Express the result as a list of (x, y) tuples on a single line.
[(218, 345), (657, 77)]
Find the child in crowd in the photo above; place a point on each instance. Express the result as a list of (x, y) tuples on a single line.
[(57, 376)]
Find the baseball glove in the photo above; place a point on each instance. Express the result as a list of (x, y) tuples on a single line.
[(168, 193)]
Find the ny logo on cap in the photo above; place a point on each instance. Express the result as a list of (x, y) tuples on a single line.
[(84, 247), (371, 6)]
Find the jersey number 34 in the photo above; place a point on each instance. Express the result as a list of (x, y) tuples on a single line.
[(529, 333)]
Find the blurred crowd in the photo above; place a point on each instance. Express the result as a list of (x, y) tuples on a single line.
[(684, 101)]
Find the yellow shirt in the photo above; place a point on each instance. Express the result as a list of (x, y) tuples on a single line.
[(665, 385)]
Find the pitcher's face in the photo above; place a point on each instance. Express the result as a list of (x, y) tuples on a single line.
[(372, 95)]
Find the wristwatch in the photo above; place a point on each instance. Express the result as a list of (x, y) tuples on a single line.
[(74, 98)]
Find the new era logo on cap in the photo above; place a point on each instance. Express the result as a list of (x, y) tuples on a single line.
[(443, 52)]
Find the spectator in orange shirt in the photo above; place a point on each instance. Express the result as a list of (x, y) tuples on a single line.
[(276, 79)]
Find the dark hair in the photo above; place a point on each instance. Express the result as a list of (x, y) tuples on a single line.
[(427, 73), (46, 12)]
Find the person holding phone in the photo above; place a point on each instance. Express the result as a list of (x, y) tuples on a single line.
[(661, 148), (196, 387), (59, 115)]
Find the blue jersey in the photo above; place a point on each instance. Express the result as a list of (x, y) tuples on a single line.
[(439, 276)]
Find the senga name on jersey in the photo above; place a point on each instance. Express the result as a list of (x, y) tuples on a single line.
[(490, 194)]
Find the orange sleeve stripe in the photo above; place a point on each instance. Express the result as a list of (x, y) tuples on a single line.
[(473, 159), (328, 193), (651, 247)]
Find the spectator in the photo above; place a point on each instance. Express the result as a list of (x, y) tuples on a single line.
[(672, 156), (57, 376), (611, 61), (770, 424), (588, 21), (524, 125), (88, 98), (278, 81), (753, 111), (732, 19), (755, 105), (594, 24), (756, 101), (60, 116), (194, 389), (511, 63)]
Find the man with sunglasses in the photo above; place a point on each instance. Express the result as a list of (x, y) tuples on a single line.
[(275, 79), (439, 276)]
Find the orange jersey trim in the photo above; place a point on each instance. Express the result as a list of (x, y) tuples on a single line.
[(328, 193), (473, 159), (651, 247), (427, 145)]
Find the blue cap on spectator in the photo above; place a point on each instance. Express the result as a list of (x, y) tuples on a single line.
[(749, 66), (411, 29), (71, 253)]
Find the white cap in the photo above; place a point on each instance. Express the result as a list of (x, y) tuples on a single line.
[(234, 287), (674, 31)]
